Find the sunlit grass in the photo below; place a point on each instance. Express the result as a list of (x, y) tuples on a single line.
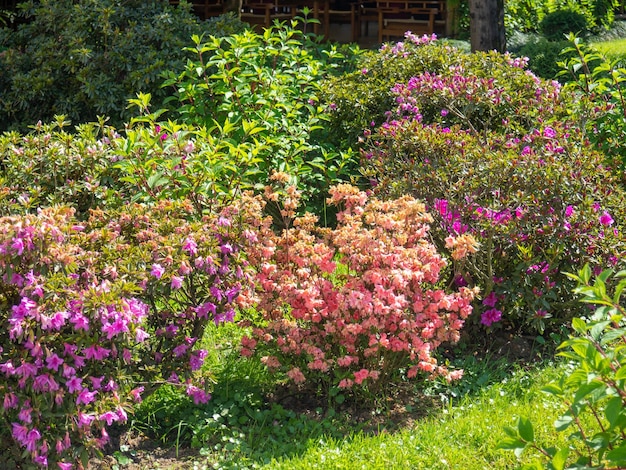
[(464, 434), (615, 49)]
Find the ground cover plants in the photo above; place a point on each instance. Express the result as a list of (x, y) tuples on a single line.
[(303, 233)]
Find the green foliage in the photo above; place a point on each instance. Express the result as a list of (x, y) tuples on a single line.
[(592, 389), (527, 15), (86, 58), (258, 94), (52, 166), (544, 56), (557, 25), (598, 82)]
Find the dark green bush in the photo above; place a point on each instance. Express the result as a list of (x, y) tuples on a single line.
[(526, 15), (557, 25), (544, 56), (86, 58)]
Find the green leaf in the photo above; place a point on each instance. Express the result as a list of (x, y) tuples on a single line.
[(579, 325), (563, 422), (525, 429), (560, 458), (155, 180), (511, 443), (617, 456), (613, 410)]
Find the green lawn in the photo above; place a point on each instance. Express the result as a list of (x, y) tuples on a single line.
[(462, 435), (614, 49)]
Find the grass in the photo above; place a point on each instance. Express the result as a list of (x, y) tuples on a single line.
[(433, 426), (614, 49), (461, 435)]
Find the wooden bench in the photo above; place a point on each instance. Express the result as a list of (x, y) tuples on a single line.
[(395, 21)]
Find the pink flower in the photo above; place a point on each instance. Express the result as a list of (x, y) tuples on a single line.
[(18, 245), (157, 270), (197, 394), (86, 397), (549, 133), (177, 282), (140, 335), (109, 417), (32, 439), (296, 375), (606, 219), (120, 325), (190, 246), (136, 394), (490, 316), (360, 376), (85, 419), (65, 465), (180, 350), (53, 362), (491, 300), (96, 352), (75, 384)]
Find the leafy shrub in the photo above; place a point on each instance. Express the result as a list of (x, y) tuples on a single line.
[(86, 58), (592, 389), (98, 310), (259, 95), (363, 98), (51, 166), (485, 156), (358, 305), (557, 25), (598, 84), (527, 15), (544, 56)]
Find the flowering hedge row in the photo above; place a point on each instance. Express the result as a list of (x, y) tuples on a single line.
[(99, 311)]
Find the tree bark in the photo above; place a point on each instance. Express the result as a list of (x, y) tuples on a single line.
[(487, 25)]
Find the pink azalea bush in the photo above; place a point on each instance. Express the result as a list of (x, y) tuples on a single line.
[(358, 304), (497, 158), (100, 312)]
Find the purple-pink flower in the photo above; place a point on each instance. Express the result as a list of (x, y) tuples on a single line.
[(157, 270), (606, 219), (177, 282), (491, 316)]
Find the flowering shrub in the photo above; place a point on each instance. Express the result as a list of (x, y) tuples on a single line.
[(100, 311), (492, 162), (52, 166), (363, 98), (356, 305)]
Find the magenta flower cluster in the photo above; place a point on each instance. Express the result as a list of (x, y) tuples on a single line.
[(99, 308)]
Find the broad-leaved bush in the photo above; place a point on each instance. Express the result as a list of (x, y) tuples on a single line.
[(598, 83), (98, 311), (591, 389), (85, 58), (358, 306), (260, 93)]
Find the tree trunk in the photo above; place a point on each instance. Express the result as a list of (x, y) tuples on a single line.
[(487, 25)]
